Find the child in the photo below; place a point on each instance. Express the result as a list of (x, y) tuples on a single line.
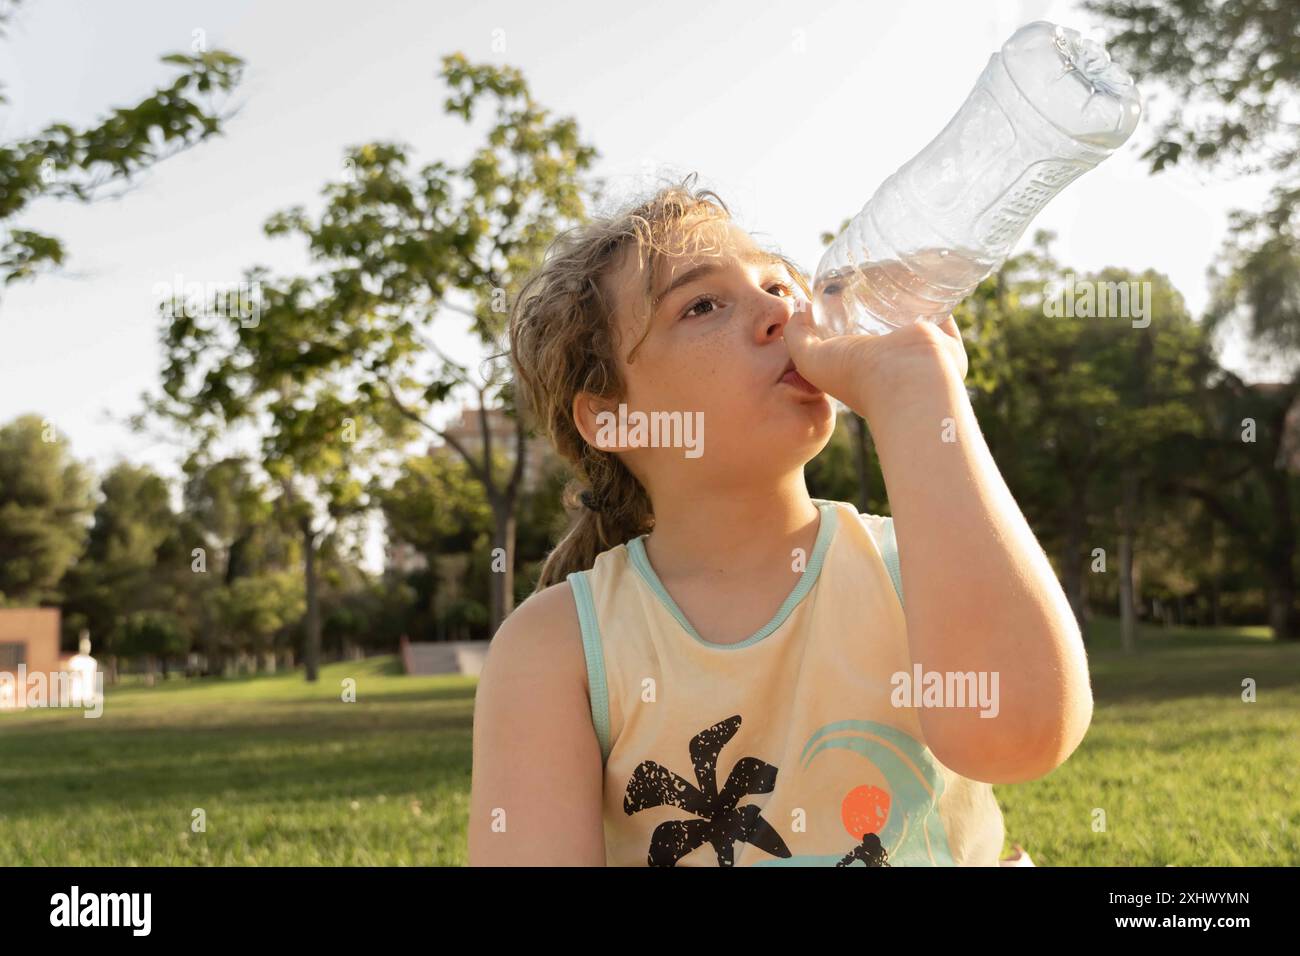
[(715, 668)]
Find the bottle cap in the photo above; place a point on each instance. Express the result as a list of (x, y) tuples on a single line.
[(1073, 82)]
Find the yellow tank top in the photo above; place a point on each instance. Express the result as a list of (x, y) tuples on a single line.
[(783, 749)]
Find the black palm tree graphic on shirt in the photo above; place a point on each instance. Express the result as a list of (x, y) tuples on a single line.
[(869, 851), (722, 823)]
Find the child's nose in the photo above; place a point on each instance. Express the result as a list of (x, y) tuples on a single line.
[(777, 314)]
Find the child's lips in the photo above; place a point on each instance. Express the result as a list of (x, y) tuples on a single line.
[(793, 378)]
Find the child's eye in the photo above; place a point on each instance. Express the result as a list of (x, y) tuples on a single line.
[(702, 300), (713, 301)]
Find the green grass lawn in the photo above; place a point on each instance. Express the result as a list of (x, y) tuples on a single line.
[(287, 773), (1185, 771)]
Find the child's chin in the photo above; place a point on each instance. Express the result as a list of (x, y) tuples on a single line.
[(801, 440), (819, 410)]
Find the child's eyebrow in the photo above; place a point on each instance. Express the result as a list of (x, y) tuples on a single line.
[(758, 257)]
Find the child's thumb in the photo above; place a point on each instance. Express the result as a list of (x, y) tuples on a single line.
[(801, 334)]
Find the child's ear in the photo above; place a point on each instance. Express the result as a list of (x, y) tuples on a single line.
[(590, 415)]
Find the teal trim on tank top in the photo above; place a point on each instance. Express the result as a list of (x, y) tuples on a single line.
[(597, 686), (889, 551), (829, 519)]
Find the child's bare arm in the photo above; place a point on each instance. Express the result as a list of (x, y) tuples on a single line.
[(981, 594), (537, 778)]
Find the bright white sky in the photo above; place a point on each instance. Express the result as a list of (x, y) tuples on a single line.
[(792, 111)]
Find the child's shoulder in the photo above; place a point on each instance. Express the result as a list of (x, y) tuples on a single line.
[(542, 636)]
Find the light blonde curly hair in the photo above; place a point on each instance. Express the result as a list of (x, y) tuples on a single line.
[(563, 340)]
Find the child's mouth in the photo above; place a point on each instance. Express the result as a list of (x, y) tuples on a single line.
[(793, 378)]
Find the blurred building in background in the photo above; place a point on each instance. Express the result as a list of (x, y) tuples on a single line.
[(467, 431), (30, 659)]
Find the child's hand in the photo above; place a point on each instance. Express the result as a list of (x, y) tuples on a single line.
[(850, 366)]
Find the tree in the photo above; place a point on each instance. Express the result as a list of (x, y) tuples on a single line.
[(395, 244), (543, 519), (288, 373), (45, 501), (1076, 404), (1155, 373), (435, 505), (371, 613), (254, 611), (1233, 465), (120, 573), (1232, 67), (236, 528), (224, 499), (63, 162), (151, 635)]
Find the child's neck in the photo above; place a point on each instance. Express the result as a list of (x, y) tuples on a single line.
[(726, 534)]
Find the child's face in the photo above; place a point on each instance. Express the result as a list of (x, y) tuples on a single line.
[(716, 347)]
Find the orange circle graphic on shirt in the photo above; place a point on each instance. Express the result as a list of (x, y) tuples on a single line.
[(864, 810)]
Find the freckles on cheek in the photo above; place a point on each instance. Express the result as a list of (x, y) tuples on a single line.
[(698, 370), (717, 352)]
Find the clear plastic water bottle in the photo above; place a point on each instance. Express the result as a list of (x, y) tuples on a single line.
[(1048, 107)]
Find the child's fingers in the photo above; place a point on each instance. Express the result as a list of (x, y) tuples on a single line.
[(801, 335)]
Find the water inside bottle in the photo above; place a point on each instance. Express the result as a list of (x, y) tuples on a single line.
[(875, 298)]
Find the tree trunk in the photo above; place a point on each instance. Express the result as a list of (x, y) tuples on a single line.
[(1128, 519), (311, 649), (1216, 614), (207, 637), (503, 581), (1281, 603), (435, 581), (1074, 564), (1281, 592)]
